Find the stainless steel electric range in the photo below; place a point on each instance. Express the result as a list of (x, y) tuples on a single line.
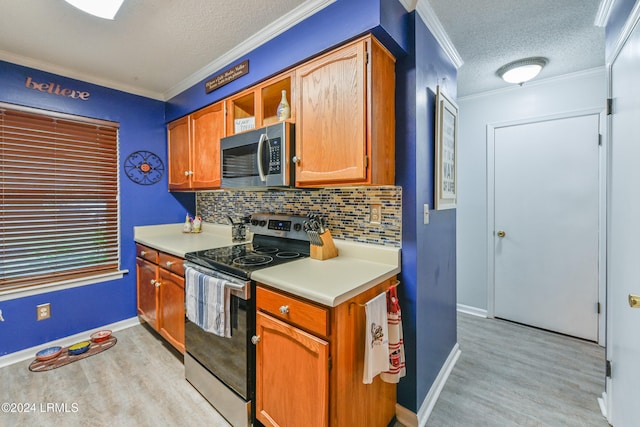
[(223, 369)]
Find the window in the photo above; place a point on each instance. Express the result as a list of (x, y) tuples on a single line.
[(58, 197)]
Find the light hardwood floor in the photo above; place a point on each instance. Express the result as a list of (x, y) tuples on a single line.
[(513, 375), (507, 375)]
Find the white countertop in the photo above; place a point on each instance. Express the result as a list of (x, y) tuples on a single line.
[(169, 238), (331, 282), (357, 268)]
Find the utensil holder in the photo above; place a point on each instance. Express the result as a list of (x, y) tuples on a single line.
[(327, 250)]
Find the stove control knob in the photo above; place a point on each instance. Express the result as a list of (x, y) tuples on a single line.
[(254, 222), (297, 226), (255, 339), (263, 223), (284, 309)]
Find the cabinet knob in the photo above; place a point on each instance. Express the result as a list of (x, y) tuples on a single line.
[(295, 159), (188, 173), (143, 253), (169, 263), (255, 339), (155, 283), (284, 309)]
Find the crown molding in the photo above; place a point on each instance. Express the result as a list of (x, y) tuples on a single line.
[(410, 5), (430, 18), (73, 74), (278, 27), (604, 11), (625, 33)]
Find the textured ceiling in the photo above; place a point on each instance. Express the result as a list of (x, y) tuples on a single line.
[(158, 48), (490, 33), (151, 47)]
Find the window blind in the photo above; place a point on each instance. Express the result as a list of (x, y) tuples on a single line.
[(58, 197)]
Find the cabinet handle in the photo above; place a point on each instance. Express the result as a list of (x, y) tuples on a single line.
[(169, 264), (284, 309), (296, 159), (188, 173), (143, 253), (255, 339)]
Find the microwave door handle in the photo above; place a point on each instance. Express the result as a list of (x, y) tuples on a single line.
[(263, 138)]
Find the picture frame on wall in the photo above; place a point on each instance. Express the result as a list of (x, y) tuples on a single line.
[(446, 152)]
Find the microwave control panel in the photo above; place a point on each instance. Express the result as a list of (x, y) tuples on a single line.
[(275, 156)]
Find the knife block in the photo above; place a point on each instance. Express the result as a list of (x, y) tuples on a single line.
[(327, 250)]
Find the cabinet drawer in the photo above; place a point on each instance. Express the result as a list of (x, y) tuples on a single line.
[(147, 253), (308, 316), (172, 263)]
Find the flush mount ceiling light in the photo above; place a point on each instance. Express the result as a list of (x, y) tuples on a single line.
[(521, 70), (106, 9)]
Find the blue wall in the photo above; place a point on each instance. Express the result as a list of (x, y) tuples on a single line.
[(428, 252), (428, 255), (142, 127)]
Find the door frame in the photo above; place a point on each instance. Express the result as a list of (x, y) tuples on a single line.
[(602, 206), (632, 21)]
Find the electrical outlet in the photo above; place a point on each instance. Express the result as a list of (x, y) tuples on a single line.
[(375, 214), (43, 311)]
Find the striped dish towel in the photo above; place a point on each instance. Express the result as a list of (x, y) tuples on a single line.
[(397, 368), (207, 302)]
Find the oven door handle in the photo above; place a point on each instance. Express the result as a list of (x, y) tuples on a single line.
[(263, 138)]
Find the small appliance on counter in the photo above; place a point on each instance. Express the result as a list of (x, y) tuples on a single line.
[(221, 368)]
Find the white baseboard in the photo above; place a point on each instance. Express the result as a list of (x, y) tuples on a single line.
[(29, 353), (602, 401), (474, 311), (407, 417)]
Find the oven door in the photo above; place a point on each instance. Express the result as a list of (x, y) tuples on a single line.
[(231, 360)]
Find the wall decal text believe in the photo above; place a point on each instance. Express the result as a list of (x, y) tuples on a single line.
[(56, 89)]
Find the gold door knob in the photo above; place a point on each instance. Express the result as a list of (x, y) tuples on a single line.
[(634, 301), (501, 233)]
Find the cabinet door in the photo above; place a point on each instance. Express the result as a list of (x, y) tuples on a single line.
[(147, 275), (292, 375), (207, 127), (171, 308), (331, 127), (178, 149)]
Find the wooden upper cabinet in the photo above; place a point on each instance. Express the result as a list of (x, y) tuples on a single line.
[(179, 154), (345, 117), (207, 130), (194, 149), (259, 104)]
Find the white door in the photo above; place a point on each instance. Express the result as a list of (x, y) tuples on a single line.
[(546, 204), (623, 218)]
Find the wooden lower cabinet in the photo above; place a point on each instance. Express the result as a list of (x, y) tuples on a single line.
[(160, 283), (147, 273), (171, 308), (310, 363)]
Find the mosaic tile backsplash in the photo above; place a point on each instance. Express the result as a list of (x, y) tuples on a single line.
[(346, 208)]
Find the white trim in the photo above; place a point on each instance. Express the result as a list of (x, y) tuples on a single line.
[(74, 74), (436, 388), (602, 402), (428, 15), (410, 5), (274, 29), (474, 311), (604, 11), (626, 31), (602, 186), (58, 286), (28, 354), (569, 76)]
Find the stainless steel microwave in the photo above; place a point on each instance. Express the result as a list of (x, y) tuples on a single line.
[(258, 158)]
